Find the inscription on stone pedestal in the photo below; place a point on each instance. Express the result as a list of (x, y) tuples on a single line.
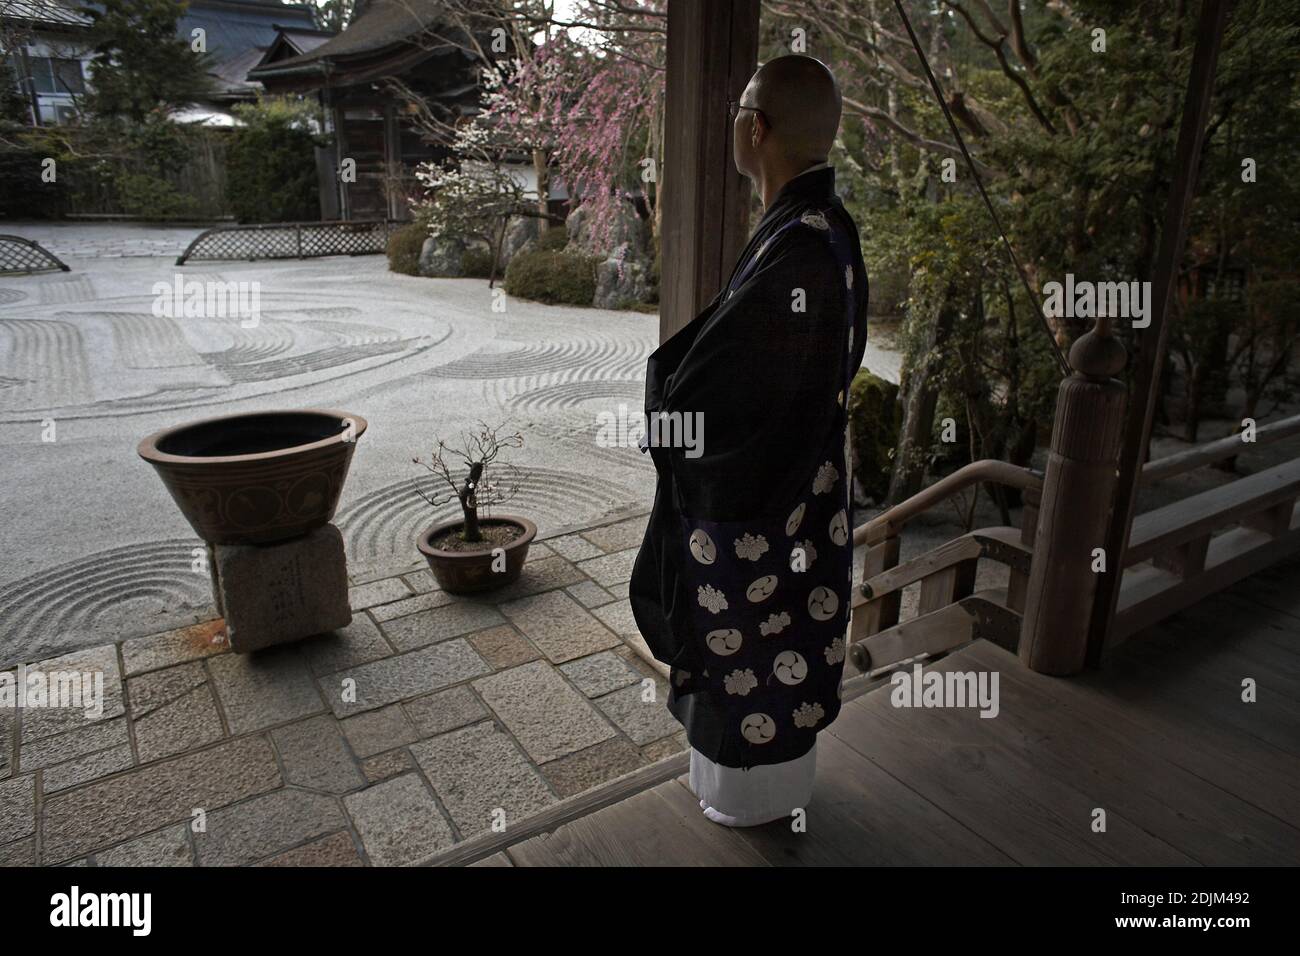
[(274, 594)]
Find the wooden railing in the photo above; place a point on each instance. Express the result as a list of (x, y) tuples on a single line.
[(1183, 551), (950, 611)]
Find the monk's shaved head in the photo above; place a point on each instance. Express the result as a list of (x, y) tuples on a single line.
[(801, 100)]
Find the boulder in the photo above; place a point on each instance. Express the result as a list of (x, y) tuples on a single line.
[(440, 256), (521, 231), (626, 229), (620, 280)]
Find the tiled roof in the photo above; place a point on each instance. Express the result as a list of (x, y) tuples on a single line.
[(44, 12)]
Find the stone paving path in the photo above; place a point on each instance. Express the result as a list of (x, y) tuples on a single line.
[(466, 712)]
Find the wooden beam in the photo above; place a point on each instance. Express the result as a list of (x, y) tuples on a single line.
[(712, 52), (1154, 339)]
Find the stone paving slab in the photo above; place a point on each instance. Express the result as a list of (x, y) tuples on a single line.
[(427, 720), (398, 821), (85, 769), (440, 624), (17, 808), (600, 673), (610, 569), (383, 591), (619, 536), (265, 825), (264, 689), (589, 768), (482, 778), (174, 647), (106, 812), (559, 626), (377, 731), (439, 713), (186, 723), (167, 847), (359, 643), (503, 646), (337, 849), (548, 717), (315, 755), (406, 675), (642, 720), (93, 664)]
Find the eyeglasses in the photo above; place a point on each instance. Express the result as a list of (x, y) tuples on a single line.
[(735, 106)]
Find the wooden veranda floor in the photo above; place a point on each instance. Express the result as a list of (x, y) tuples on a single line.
[(1160, 739)]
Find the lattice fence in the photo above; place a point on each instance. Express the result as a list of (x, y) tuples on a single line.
[(19, 255), (292, 240)]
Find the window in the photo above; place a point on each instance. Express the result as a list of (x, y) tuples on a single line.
[(56, 75)]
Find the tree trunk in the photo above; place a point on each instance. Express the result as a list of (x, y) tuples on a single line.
[(922, 396), (469, 503)]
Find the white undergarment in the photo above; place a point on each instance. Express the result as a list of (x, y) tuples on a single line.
[(746, 798)]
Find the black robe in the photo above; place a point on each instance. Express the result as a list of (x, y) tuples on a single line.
[(742, 584)]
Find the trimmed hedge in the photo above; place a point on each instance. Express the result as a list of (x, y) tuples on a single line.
[(556, 278), (875, 417), (404, 247)]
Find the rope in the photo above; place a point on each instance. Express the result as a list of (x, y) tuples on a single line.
[(979, 183)]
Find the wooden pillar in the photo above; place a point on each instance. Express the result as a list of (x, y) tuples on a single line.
[(712, 52), (1152, 341), (1077, 495)]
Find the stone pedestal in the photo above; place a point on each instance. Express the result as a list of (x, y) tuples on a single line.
[(277, 593)]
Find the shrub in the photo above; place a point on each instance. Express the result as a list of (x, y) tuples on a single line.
[(875, 417), (557, 278), (404, 247), (552, 240), (271, 164), (477, 263)]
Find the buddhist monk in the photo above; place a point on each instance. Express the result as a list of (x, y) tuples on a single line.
[(742, 584)]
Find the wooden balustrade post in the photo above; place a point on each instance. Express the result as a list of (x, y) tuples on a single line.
[(1078, 492)]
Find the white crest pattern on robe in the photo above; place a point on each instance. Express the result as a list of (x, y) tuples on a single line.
[(816, 220), (835, 653), (826, 478), (775, 623), (758, 728), (751, 547), (808, 715), (711, 599), (740, 682)]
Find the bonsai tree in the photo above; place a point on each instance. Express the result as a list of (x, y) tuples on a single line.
[(477, 450)]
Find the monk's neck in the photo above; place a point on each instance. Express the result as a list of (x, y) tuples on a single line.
[(770, 182)]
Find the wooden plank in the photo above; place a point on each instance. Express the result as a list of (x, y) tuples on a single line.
[(1210, 452), (947, 586), (1150, 595), (1261, 775), (932, 633), (553, 816), (648, 829), (1077, 743), (880, 614), (922, 567), (1208, 511), (496, 859), (1276, 587), (1213, 678), (961, 763), (861, 816)]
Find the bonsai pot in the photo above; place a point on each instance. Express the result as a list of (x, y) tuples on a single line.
[(256, 478), (471, 572)]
